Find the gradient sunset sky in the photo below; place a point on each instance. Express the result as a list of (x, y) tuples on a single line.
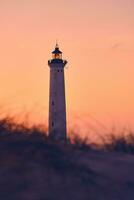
[(97, 39)]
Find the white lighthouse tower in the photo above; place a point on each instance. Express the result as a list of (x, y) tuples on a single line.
[(57, 101)]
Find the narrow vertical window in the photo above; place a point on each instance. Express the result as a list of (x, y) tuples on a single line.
[(52, 124)]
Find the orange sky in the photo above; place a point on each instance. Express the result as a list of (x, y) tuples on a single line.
[(97, 38)]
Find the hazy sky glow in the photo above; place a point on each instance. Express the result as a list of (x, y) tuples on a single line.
[(97, 38)]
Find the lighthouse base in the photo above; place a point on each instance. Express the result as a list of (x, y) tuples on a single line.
[(58, 136)]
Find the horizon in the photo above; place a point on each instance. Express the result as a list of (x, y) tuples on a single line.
[(96, 38)]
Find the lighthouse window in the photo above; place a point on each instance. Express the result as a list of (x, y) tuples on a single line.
[(52, 124), (58, 70), (61, 70), (52, 103)]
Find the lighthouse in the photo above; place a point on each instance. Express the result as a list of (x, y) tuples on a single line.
[(57, 102)]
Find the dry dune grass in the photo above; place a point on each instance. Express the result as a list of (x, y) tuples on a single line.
[(11, 130), (32, 167)]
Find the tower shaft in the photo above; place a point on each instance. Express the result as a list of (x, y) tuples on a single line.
[(57, 104)]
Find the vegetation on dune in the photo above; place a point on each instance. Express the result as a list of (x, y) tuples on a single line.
[(120, 143), (21, 133), (34, 167)]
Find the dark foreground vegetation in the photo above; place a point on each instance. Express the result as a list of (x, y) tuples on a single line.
[(32, 167)]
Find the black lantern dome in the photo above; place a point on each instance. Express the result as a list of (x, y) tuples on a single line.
[(57, 54)]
